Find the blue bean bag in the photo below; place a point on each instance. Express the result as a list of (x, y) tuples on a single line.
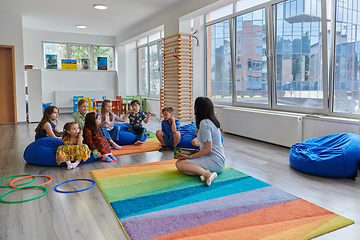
[(125, 137), (43, 152), (188, 133), (335, 155)]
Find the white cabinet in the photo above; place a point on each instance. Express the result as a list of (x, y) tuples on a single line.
[(34, 91)]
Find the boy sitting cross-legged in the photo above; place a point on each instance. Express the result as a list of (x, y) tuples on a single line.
[(169, 136)]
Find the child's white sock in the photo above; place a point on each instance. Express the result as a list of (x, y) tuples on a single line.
[(115, 146), (75, 164), (69, 165)]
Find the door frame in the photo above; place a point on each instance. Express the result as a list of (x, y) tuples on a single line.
[(11, 47)]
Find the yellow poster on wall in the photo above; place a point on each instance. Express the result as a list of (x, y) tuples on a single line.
[(68, 64)]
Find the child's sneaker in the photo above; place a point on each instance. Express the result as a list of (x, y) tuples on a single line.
[(113, 159), (107, 159)]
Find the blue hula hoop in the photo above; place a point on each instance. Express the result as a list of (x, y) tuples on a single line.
[(81, 179)]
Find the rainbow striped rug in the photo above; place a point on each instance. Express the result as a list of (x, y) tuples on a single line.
[(156, 201)]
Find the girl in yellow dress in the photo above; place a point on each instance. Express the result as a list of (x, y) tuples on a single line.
[(73, 148)]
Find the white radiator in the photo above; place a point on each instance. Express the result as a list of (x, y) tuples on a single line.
[(280, 128), (64, 99)]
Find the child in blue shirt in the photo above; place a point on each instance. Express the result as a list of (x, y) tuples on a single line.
[(169, 136), (136, 117)]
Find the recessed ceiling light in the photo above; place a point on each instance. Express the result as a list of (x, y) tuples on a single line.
[(100, 7), (80, 26)]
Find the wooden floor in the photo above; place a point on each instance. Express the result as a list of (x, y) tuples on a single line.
[(86, 215)]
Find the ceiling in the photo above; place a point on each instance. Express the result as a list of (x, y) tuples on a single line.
[(64, 15)]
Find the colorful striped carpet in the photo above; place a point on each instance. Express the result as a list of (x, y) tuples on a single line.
[(156, 201)]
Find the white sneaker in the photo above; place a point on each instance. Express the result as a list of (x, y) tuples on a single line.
[(202, 178)]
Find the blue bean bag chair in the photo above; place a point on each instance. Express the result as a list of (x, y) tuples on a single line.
[(43, 152), (335, 155), (125, 137), (188, 133)]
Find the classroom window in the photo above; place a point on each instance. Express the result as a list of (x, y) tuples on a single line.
[(79, 52), (143, 71), (155, 74), (347, 58), (82, 53), (219, 75), (57, 49), (251, 49), (104, 51), (298, 59), (149, 67)]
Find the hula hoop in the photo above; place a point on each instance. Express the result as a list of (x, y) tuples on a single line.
[(26, 200), (74, 191), (17, 176), (38, 175)]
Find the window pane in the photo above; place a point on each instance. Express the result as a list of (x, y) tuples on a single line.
[(347, 58), (245, 4), (219, 75), (154, 37), (251, 83), (219, 13), (58, 49), (142, 41), (298, 58), (78, 53), (104, 51), (143, 71), (154, 70)]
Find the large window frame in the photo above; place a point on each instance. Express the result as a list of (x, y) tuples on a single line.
[(327, 52), (145, 43), (91, 55)]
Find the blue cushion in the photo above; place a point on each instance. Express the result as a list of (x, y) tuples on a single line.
[(125, 137), (188, 133), (335, 155), (43, 152)]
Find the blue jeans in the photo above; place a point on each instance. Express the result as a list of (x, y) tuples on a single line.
[(138, 131), (169, 141), (113, 134)]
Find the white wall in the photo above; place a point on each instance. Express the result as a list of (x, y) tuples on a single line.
[(121, 55), (131, 69), (11, 34), (199, 57)]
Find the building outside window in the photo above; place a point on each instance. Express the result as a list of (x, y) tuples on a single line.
[(219, 74)]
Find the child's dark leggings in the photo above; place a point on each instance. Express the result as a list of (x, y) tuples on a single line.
[(138, 131)]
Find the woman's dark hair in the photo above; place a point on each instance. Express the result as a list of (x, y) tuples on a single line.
[(91, 123), (205, 110)]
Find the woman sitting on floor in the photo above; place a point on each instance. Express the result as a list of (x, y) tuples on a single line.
[(210, 160)]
